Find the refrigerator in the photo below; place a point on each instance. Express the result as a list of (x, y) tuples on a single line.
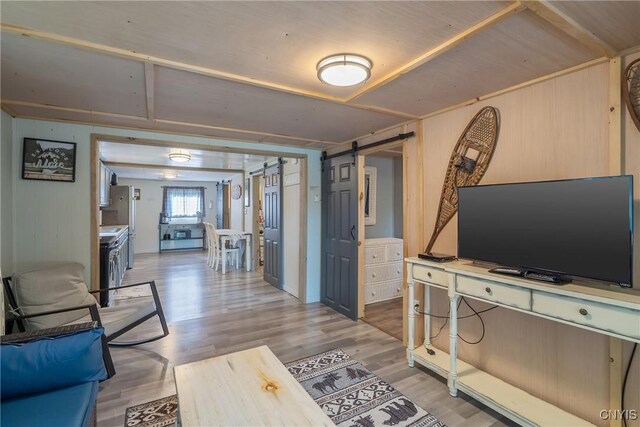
[(122, 211)]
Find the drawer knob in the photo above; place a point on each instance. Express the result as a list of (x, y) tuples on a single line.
[(429, 275), (487, 290), (373, 275), (375, 256), (397, 253), (583, 311), (399, 272)]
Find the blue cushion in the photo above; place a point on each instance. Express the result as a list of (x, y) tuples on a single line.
[(51, 363), (67, 407)]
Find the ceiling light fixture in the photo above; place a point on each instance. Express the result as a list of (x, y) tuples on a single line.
[(168, 175), (180, 157), (344, 69)]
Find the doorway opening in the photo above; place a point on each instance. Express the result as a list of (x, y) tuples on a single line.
[(216, 185), (382, 269)]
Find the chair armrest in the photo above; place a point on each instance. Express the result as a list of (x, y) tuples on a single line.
[(28, 336), (152, 283), (93, 311)]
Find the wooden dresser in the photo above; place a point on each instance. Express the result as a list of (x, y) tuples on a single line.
[(383, 267)]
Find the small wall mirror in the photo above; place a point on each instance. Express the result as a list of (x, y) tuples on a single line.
[(370, 186)]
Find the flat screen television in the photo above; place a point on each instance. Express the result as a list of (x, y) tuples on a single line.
[(576, 227)]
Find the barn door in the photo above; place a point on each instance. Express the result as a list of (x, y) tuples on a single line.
[(273, 225), (339, 282), (223, 205)]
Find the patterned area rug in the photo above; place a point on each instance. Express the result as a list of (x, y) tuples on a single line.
[(157, 413), (350, 394), (353, 396)]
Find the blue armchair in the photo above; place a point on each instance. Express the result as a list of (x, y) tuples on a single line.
[(50, 377)]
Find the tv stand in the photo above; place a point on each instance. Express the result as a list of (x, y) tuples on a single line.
[(610, 312), (543, 276)]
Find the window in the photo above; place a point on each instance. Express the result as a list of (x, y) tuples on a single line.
[(183, 202)]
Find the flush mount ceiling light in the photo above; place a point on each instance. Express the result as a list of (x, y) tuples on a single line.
[(344, 69), (180, 157), (169, 175)]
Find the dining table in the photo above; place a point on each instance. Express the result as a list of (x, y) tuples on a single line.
[(233, 237)]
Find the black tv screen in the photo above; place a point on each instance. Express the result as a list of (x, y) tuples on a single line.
[(578, 227)]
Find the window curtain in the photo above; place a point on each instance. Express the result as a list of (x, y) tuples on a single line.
[(183, 202)]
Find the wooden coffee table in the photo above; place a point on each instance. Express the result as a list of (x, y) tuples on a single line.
[(247, 388)]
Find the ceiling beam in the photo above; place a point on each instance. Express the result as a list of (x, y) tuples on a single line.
[(149, 85), (180, 168), (568, 25), (194, 146), (518, 86), (8, 110), (443, 47), (265, 134), (162, 131), (302, 140), (207, 71), (630, 51), (69, 109)]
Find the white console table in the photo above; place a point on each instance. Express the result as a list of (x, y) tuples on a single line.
[(613, 312)]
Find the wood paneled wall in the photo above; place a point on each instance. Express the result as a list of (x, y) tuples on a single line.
[(631, 138), (551, 130)]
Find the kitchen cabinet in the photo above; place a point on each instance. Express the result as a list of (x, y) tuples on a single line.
[(105, 185)]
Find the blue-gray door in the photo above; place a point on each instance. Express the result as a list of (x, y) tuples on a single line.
[(339, 282), (272, 210)]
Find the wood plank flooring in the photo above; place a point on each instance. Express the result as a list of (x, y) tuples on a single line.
[(386, 316), (210, 315)]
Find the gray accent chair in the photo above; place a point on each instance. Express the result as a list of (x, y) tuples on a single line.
[(59, 296)]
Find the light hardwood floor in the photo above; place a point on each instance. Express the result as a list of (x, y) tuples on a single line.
[(209, 315), (386, 316)]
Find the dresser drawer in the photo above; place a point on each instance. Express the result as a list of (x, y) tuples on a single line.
[(620, 320), (396, 270), (375, 255), (376, 273), (430, 275), (395, 252), (382, 291), (496, 292)]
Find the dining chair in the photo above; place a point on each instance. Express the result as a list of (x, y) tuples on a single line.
[(232, 253), (211, 244)]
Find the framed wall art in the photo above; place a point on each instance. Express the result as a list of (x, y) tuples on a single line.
[(47, 160)]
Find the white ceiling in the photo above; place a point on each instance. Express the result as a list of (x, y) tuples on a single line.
[(137, 154), (246, 70), (280, 42)]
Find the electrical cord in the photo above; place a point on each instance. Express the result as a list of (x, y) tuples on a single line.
[(481, 322), (415, 309), (624, 382), (443, 325), (475, 313)]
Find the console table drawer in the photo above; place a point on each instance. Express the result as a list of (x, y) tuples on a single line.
[(430, 275), (619, 320), (492, 291)]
